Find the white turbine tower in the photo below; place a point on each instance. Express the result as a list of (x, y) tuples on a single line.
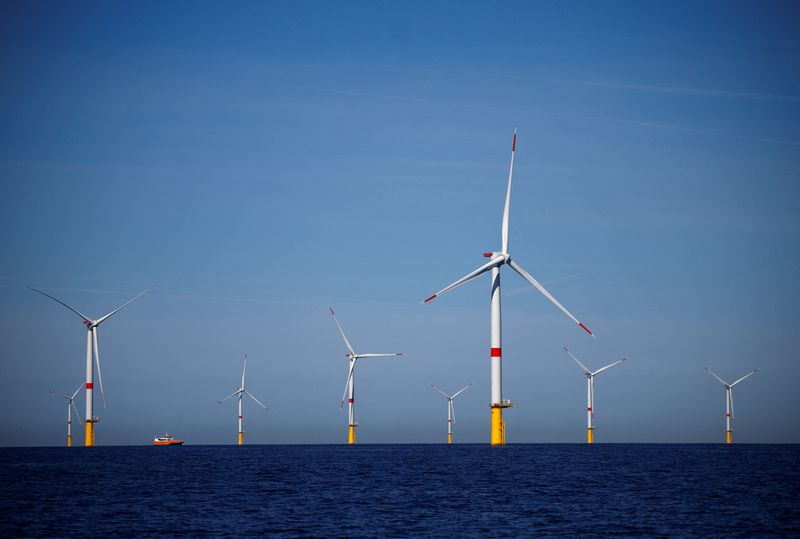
[(349, 386), (70, 407), (240, 393), (590, 391), (499, 259), (451, 411), (729, 414), (91, 345)]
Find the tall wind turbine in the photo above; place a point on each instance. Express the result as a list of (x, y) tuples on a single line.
[(241, 392), (91, 345), (349, 390), (590, 391), (451, 411), (70, 407), (729, 414), (499, 259)]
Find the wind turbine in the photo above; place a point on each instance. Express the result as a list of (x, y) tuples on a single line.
[(241, 392), (349, 390), (70, 407), (499, 259), (451, 411), (590, 391), (729, 414), (91, 344)]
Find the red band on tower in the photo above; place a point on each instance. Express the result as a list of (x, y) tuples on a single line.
[(89, 385), (588, 409), (497, 352), (350, 401)]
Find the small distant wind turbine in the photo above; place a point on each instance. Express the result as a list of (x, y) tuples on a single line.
[(349, 390), (70, 407), (91, 344), (499, 259), (241, 392), (729, 414), (590, 391), (451, 411)]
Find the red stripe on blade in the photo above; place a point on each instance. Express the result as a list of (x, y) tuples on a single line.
[(497, 352), (430, 298), (514, 144), (585, 328)]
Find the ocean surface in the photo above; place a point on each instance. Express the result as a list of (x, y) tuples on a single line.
[(521, 490)]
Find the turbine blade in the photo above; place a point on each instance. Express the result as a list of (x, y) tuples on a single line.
[(59, 394), (468, 277), (102, 318), (77, 416), (229, 396), (244, 369), (97, 362), (507, 207), (76, 311), (255, 399), (730, 395), (744, 377), (367, 356), (347, 382), (598, 371), (440, 391), (346, 341), (721, 381), (460, 391), (528, 277), (591, 383), (586, 370), (76, 391), (452, 410)]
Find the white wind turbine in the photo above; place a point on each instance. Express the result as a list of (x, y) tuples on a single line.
[(499, 259), (240, 393), (349, 389), (729, 414), (91, 345), (451, 411), (70, 407), (590, 391)]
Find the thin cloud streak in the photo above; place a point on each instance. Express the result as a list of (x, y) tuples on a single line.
[(625, 121)]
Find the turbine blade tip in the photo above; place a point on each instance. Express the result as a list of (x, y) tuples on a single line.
[(514, 143), (587, 330), (430, 298)]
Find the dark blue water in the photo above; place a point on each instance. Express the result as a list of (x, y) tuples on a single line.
[(403, 490)]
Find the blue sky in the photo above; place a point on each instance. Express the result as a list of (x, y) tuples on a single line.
[(260, 162)]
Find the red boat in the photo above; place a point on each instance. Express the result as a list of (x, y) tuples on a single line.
[(166, 440)]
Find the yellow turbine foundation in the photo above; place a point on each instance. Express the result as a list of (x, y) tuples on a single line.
[(728, 437), (69, 440), (89, 433), (589, 436), (241, 438), (351, 434), (498, 425), (449, 437)]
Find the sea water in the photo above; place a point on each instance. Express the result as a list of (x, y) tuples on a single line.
[(464, 490)]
